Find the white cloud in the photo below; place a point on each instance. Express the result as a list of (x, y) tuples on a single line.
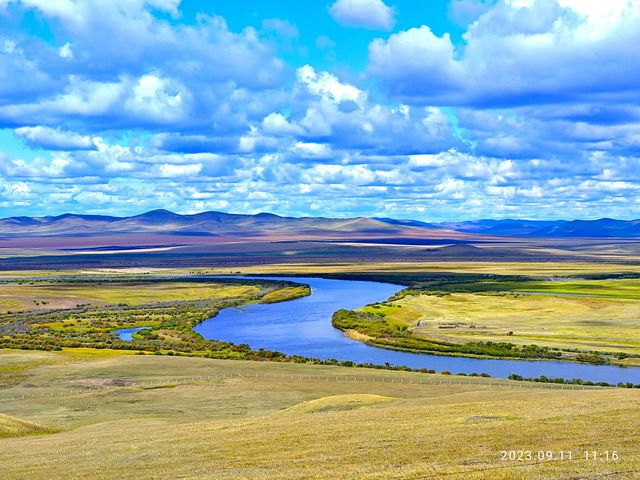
[(465, 11), (538, 51), (79, 12), (416, 60), (328, 85), (54, 138), (427, 160), (373, 14), (65, 51), (276, 124), (16, 190), (80, 98), (157, 99), (171, 171), (339, 174), (311, 150)]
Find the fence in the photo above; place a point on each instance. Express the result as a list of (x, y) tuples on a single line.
[(171, 381)]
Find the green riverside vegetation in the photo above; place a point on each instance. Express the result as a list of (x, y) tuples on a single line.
[(169, 323)]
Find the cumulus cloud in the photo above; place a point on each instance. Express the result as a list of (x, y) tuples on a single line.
[(466, 11), (277, 124), (172, 171), (54, 138), (535, 112), (120, 53), (417, 63), (373, 14), (518, 53), (157, 99)]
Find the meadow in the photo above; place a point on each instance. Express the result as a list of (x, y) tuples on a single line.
[(290, 422), (576, 312), (543, 268), (587, 315), (601, 324), (206, 409), (591, 316), (43, 294), (82, 311)]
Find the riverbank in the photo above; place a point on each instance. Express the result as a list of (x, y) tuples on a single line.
[(374, 330), (139, 313), (585, 320), (290, 331), (302, 329)]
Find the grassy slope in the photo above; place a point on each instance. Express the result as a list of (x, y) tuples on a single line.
[(15, 427), (249, 428)]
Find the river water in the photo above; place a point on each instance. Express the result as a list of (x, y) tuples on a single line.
[(303, 327)]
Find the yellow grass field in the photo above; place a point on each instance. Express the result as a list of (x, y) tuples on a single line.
[(500, 268), (296, 425), (542, 268), (30, 295), (591, 323)]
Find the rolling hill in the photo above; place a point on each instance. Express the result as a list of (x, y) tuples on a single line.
[(205, 223), (163, 228)]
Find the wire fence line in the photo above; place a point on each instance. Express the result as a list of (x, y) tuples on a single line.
[(185, 380)]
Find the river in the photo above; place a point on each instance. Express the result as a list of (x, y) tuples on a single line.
[(303, 327)]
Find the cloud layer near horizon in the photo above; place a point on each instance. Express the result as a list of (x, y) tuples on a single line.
[(127, 107)]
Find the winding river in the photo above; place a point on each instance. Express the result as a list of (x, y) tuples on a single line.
[(303, 327)]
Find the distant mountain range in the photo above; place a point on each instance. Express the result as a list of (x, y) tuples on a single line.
[(210, 224), (219, 224), (601, 228)]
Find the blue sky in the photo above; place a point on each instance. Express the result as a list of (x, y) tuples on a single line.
[(433, 110)]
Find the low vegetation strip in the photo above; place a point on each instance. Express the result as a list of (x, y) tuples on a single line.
[(380, 332)]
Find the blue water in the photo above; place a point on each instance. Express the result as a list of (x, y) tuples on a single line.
[(303, 327), (125, 333)]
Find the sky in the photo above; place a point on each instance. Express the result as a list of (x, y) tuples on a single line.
[(430, 110)]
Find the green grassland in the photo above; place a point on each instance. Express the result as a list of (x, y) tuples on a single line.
[(82, 311), (601, 324), (293, 423), (581, 319), (26, 295)]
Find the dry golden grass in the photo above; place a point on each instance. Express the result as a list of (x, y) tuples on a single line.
[(14, 427), (252, 428), (545, 268), (607, 324), (334, 403), (503, 268)]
